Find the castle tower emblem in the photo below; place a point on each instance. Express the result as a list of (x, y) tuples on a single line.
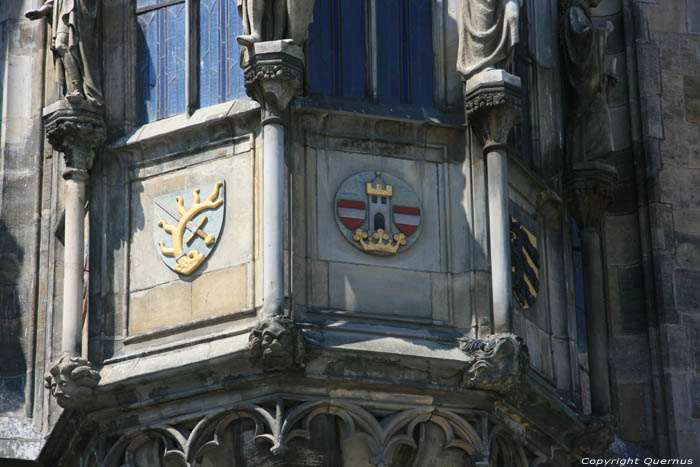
[(378, 213)]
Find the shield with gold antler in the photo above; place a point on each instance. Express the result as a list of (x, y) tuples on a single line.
[(187, 224)]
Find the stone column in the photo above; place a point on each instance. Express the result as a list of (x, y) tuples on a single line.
[(588, 191), (273, 77), (492, 107), (77, 131)]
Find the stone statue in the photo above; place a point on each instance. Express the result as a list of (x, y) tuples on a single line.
[(74, 42), (487, 35), (272, 20), (276, 344), (590, 129)]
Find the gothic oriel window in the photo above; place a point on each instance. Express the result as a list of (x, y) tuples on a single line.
[(372, 49), (165, 86)]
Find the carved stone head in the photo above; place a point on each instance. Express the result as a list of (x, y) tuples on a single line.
[(276, 344), (71, 381), (497, 363)]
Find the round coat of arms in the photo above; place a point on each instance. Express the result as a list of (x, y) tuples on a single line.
[(378, 213)]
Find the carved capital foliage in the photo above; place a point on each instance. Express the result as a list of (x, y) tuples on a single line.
[(277, 344), (588, 190), (492, 105), (77, 131), (497, 363), (72, 381), (596, 438), (274, 74)]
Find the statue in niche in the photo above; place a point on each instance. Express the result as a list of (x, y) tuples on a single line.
[(272, 20), (487, 35), (590, 129), (74, 42)]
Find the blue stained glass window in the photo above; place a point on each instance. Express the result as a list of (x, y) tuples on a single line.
[(220, 75), (161, 61), (337, 49), (404, 63), (338, 56)]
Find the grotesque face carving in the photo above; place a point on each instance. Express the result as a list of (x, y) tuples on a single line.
[(276, 344), (71, 381)]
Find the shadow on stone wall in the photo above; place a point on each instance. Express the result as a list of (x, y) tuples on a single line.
[(13, 366)]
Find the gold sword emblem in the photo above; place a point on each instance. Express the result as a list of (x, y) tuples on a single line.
[(186, 263)]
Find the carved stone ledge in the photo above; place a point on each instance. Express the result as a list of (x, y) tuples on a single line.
[(597, 437), (77, 130), (497, 362), (492, 105), (588, 190), (72, 381), (274, 73), (277, 344)]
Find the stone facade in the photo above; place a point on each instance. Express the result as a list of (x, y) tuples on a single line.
[(289, 344)]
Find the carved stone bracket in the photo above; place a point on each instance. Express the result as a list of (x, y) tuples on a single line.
[(77, 130), (492, 105), (588, 189), (597, 437), (277, 344), (72, 381), (274, 74), (497, 363)]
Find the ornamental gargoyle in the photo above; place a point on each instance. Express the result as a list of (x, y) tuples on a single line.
[(190, 226)]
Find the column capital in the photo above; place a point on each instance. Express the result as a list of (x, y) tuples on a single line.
[(72, 381), (77, 130), (274, 74), (588, 190), (492, 105)]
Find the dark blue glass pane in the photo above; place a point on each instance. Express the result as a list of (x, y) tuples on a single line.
[(161, 62), (320, 49), (391, 60), (337, 49), (220, 76), (420, 40), (404, 52), (174, 61), (146, 66), (351, 69)]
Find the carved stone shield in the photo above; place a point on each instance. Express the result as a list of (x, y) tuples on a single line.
[(378, 213), (525, 263), (187, 225)]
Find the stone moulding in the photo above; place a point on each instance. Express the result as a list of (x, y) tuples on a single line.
[(496, 363), (276, 343), (72, 381)]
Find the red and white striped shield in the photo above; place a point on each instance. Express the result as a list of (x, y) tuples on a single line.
[(407, 219), (352, 213)]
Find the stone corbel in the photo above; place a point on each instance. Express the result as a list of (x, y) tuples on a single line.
[(276, 343), (273, 76), (498, 362), (596, 438), (72, 381), (589, 190)]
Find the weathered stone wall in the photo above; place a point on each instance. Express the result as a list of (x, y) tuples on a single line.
[(21, 161), (666, 35)]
